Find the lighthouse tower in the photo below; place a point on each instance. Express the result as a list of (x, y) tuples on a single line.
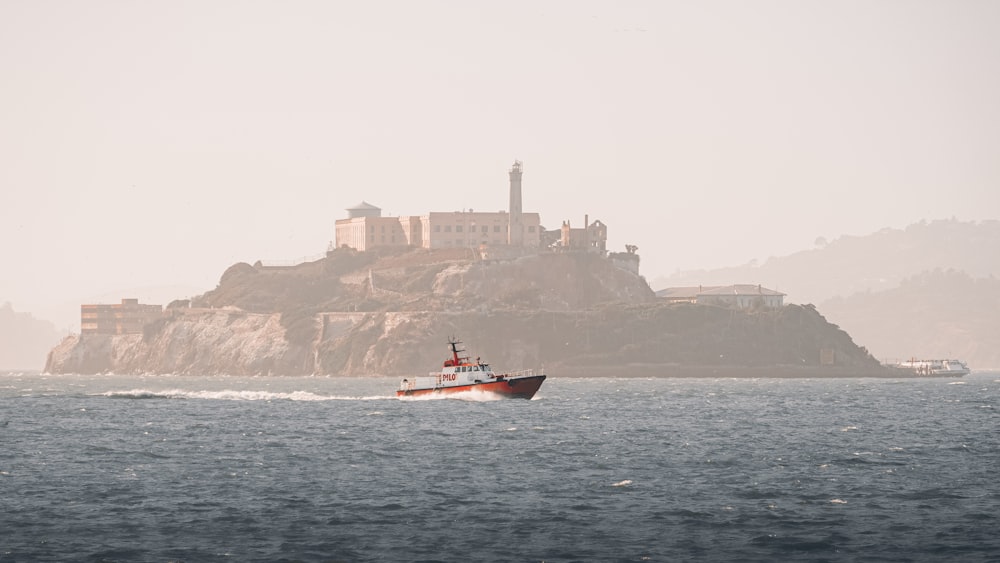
[(515, 228)]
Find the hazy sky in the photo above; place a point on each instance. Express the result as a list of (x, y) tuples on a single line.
[(156, 143)]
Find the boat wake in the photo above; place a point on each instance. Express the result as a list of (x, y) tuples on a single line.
[(472, 395), (233, 395)]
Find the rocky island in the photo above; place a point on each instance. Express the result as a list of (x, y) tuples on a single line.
[(390, 311)]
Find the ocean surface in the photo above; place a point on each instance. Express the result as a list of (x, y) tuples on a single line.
[(179, 468)]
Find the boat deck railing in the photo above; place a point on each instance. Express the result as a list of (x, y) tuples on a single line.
[(437, 381), (521, 373)]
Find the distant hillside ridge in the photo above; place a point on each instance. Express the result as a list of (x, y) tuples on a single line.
[(24, 340), (875, 262), (936, 314)]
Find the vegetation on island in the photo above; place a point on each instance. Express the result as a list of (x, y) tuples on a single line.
[(576, 310)]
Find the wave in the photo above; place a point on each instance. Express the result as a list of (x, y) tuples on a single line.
[(474, 396), (234, 395)]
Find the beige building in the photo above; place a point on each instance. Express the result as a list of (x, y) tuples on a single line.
[(128, 317), (365, 228), (475, 228), (439, 229)]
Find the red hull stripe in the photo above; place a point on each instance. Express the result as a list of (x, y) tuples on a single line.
[(521, 388)]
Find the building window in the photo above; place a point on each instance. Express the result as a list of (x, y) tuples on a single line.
[(437, 228), (485, 229), (458, 228), (531, 228), (447, 228), (496, 228), (383, 229), (373, 228)]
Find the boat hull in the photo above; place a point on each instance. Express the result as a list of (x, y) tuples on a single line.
[(934, 368), (515, 388)]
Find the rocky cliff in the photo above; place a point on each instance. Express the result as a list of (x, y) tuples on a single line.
[(391, 313), (193, 342)]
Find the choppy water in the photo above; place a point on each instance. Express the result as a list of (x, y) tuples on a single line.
[(315, 469)]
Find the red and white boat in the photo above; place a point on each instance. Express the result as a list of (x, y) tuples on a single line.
[(459, 374)]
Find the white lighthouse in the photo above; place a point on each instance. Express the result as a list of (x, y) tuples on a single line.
[(515, 228)]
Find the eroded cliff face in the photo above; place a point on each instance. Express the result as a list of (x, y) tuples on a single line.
[(605, 341), (392, 315), (199, 342)]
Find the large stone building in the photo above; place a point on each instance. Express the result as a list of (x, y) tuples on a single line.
[(365, 227), (128, 317)]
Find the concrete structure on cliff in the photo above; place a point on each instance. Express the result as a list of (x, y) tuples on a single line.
[(365, 227), (127, 317)]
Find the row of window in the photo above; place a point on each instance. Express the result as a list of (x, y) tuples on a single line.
[(458, 242), (458, 229), (483, 229)]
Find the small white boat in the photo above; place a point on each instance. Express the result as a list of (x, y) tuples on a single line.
[(934, 368)]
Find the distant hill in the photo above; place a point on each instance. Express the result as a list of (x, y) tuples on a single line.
[(927, 290), (852, 264), (937, 314), (24, 340)]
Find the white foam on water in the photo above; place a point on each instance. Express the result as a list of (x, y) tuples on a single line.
[(234, 395), (837, 501), (623, 483), (473, 395)]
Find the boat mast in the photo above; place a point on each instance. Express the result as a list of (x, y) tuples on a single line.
[(453, 343)]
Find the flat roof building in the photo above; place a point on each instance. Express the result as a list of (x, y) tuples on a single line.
[(127, 317)]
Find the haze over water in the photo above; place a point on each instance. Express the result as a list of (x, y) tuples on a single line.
[(150, 145), (262, 469)]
